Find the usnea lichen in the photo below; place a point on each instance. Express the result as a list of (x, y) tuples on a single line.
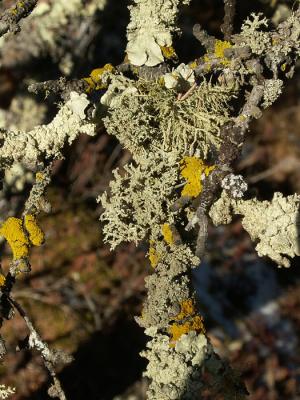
[(151, 119)]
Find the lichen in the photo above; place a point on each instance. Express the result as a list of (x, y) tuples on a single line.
[(13, 232), (153, 255), (273, 224), (179, 378), (95, 79), (138, 200), (186, 321), (149, 33), (48, 140), (193, 169), (147, 117), (36, 235), (167, 234), (218, 55), (2, 280)]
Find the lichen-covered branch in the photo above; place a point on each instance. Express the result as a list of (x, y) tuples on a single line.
[(184, 133), (10, 18)]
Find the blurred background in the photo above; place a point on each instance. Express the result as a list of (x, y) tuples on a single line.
[(82, 297)]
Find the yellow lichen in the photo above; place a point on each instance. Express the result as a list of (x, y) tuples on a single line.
[(12, 230), (192, 169), (168, 52), (187, 321), (283, 67), (176, 330), (167, 233), (220, 47), (193, 64), (36, 235), (2, 280), (94, 80), (187, 308), (39, 176), (153, 255)]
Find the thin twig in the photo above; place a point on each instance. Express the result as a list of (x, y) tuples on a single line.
[(50, 358), (229, 13)]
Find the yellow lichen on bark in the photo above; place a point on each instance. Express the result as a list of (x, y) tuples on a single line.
[(12, 230), (167, 233), (220, 47), (187, 321), (94, 80), (153, 256), (2, 280), (36, 235), (168, 51), (192, 169)]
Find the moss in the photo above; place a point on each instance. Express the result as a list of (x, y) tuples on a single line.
[(12, 230), (192, 169), (167, 233), (36, 235)]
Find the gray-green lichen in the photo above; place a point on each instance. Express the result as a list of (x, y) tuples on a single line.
[(272, 90), (47, 140), (274, 225), (150, 118), (152, 24), (175, 371), (138, 200)]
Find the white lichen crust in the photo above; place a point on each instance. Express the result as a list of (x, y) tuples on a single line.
[(152, 23), (175, 371), (273, 224), (47, 141)]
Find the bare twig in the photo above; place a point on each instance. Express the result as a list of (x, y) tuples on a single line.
[(229, 12), (50, 357)]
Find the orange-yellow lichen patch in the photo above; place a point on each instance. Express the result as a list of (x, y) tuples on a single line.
[(95, 79), (168, 51), (176, 330), (153, 256), (12, 230), (186, 321), (2, 280), (192, 169), (167, 233), (187, 308), (36, 235)]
